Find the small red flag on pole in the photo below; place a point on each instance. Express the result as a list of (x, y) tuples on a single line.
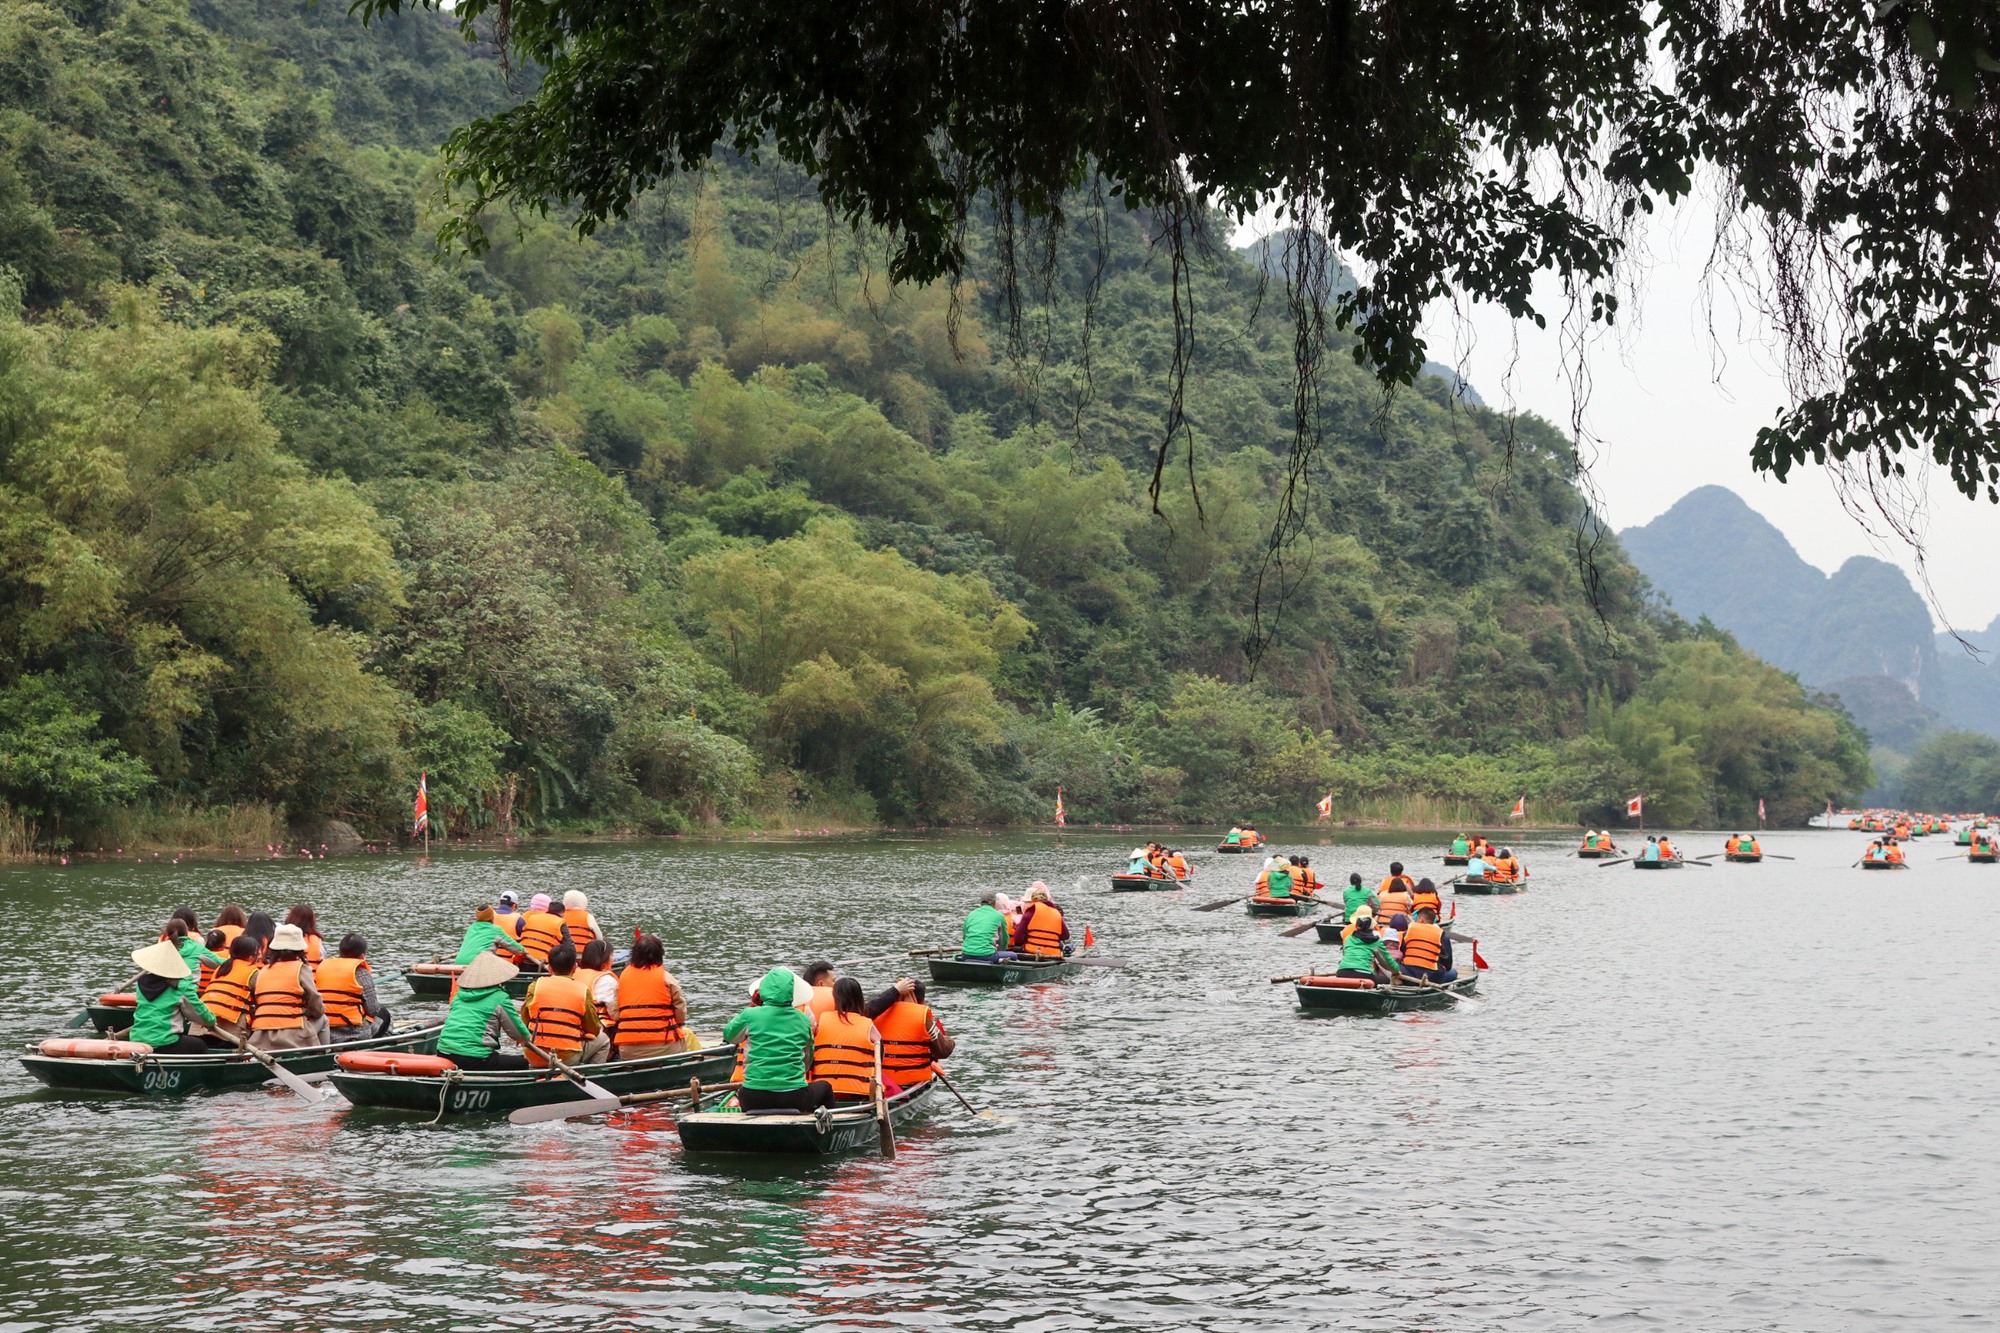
[(1088, 938), (1477, 961)]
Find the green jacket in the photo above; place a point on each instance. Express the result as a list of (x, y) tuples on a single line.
[(1278, 884), (194, 954), (1353, 896), (476, 1021), (781, 1038), (1357, 953), (1460, 847), (479, 937), (153, 1020), (985, 932)]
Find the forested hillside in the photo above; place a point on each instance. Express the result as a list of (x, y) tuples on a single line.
[(700, 520)]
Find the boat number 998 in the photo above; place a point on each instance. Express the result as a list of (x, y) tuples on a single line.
[(162, 1078), (470, 1099)]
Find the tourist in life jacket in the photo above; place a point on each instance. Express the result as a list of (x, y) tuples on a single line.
[(778, 1053), (1875, 852), (1397, 894), (227, 993), (165, 994), (1233, 838), (1304, 879), (1251, 837), (481, 1017), (913, 1037), (652, 1007), (562, 1018), (1363, 954), (354, 1012), (1460, 846), (1504, 869), (1651, 851), (987, 931), (1177, 864), (593, 969), (1427, 949), (261, 928), (1275, 880), (230, 921), (846, 1048), (541, 931), (1894, 854), (1356, 895), (507, 913), (1135, 864), (819, 976), (286, 1010), (1668, 852), (1042, 932), (579, 920), (1426, 895), (216, 946), (307, 921)]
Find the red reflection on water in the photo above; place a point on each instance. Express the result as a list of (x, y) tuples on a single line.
[(869, 1233)]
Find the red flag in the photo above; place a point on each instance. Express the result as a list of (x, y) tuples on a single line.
[(1088, 938), (1635, 807), (423, 810), (1477, 961), (1062, 815), (1520, 809), (1326, 806)]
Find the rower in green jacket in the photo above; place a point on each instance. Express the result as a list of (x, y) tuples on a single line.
[(1460, 847), (780, 1049), (481, 1015), (1363, 954), (165, 992), (483, 934), (1355, 895), (986, 932)]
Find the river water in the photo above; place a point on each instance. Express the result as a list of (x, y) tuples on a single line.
[(1741, 1097)]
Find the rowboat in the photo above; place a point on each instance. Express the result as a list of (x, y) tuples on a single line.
[(373, 1083), (122, 1066), (1984, 856), (1259, 905), (1001, 972), (1357, 995), (1883, 865), (1664, 863), (727, 1129), (1587, 853), (1144, 883), (1233, 848), (432, 981), (1470, 884), (1744, 858), (112, 1012), (1330, 930), (1451, 860)]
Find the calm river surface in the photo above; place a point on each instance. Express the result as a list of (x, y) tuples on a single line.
[(1743, 1097)]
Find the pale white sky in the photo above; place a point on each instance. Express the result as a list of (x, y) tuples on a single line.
[(1674, 406)]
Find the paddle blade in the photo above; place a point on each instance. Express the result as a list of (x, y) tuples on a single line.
[(1296, 930), (299, 1087), (82, 1019), (1218, 906), (1088, 938), (538, 1115), (1478, 961)]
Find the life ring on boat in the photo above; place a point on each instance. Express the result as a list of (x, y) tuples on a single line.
[(119, 999), (1339, 983), (394, 1062), (437, 969), (93, 1048)]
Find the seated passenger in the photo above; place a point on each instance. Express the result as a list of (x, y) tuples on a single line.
[(1042, 932), (1276, 880), (481, 1017), (846, 1047), (562, 1016), (347, 988), (778, 1045), (1427, 949), (1364, 955), (986, 932)]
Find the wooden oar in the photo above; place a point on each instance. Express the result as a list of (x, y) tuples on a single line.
[(952, 1088), (602, 1098), (1775, 857), (1619, 862), (301, 1089), (1300, 930), (1456, 996), (537, 1115), (1225, 902), (882, 1121), (1092, 960)]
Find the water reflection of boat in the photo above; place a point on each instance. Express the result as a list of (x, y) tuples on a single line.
[(851, 1125), (122, 1066), (386, 1083)]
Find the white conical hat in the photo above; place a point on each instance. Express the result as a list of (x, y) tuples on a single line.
[(489, 969), (162, 960)]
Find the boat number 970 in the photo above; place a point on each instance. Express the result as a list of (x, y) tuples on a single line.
[(162, 1078), (470, 1099)]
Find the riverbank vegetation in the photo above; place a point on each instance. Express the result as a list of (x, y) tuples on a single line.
[(701, 521)]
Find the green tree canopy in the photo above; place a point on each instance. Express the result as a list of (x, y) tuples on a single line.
[(1954, 772)]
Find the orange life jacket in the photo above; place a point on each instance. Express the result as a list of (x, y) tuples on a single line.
[(339, 982), (844, 1053), (1305, 881), (1425, 898), (512, 924), (229, 934), (1178, 864), (227, 993), (1396, 901), (1423, 945), (555, 1010), (1042, 927), (315, 950), (906, 1042), (541, 933), (646, 1008), (589, 977), (205, 972), (822, 1001), (1391, 883), (1503, 870), (277, 997), (578, 921)]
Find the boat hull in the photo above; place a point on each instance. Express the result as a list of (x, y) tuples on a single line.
[(1228, 850), (1380, 999), (497, 1094), (852, 1127), (1486, 887), (1458, 860), (1011, 972), (1281, 906), (1145, 883), (1596, 853), (1673, 863), (437, 985), (224, 1071)]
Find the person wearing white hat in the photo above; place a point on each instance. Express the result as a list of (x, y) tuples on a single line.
[(166, 993), (481, 1017), (579, 920), (1135, 864), (286, 1011)]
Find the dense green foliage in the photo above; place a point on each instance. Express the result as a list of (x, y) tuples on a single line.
[(1954, 772), (702, 519)]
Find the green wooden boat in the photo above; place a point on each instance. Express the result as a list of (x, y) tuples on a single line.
[(465, 1093), (110, 1017), (1281, 906), (223, 1071), (1592, 853), (722, 1128), (1343, 999), (1744, 858), (1451, 860), (1001, 972), (1487, 887), (1983, 857), (1329, 930), (1147, 883), (1883, 865), (436, 985), (1239, 849), (1664, 863)]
